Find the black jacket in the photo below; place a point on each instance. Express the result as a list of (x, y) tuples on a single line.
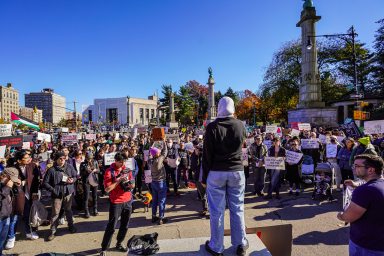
[(5, 201), (223, 144), (53, 181)]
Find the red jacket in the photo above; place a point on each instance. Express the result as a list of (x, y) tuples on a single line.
[(117, 195)]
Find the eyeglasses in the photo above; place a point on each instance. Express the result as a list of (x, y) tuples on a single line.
[(354, 166)]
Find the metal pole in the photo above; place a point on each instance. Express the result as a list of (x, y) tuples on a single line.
[(354, 61)]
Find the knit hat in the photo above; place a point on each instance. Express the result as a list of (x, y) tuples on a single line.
[(13, 174), (226, 107), (365, 141), (154, 151)]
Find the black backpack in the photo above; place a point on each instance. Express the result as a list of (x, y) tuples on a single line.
[(144, 245)]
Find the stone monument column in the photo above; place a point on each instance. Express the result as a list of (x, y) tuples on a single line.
[(211, 96), (172, 107), (311, 109), (172, 120), (310, 88)]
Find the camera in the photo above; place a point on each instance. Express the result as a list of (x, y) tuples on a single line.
[(125, 182)]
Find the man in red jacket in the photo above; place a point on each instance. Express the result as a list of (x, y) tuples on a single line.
[(118, 182)]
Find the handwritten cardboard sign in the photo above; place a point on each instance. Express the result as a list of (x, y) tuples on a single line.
[(304, 127), (293, 157), (5, 130), (109, 158), (271, 129), (43, 137), (274, 163), (331, 150), (309, 143), (374, 127)]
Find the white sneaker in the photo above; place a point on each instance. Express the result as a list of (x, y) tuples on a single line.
[(61, 221), (10, 243), (32, 236)]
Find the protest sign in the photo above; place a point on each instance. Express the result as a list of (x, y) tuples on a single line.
[(64, 129), (173, 163), (295, 132), (146, 155), (109, 158), (304, 127), (268, 143), (90, 136), (134, 133), (141, 130), (245, 156), (183, 130), (374, 127), (271, 129), (347, 197), (148, 176), (331, 150), (293, 157), (351, 130), (43, 137), (117, 136), (5, 130), (130, 164), (324, 139), (274, 163), (26, 145), (173, 137), (70, 138), (12, 141), (2, 151), (309, 143), (295, 125)]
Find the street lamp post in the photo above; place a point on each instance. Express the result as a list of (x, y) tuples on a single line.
[(352, 35), (128, 110)]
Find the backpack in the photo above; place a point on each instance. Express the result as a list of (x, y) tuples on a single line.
[(144, 245), (38, 214)]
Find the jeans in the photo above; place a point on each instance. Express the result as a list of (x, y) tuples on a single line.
[(226, 187), (123, 211), (12, 226), (4, 226), (88, 188), (355, 250), (171, 174), (259, 174), (159, 196), (274, 185), (66, 202)]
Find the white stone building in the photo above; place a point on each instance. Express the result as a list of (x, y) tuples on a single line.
[(119, 110)]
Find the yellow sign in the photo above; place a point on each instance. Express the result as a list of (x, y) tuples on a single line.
[(357, 114)]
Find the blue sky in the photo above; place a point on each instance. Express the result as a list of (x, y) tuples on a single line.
[(97, 48)]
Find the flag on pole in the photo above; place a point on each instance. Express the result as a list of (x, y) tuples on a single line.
[(18, 120)]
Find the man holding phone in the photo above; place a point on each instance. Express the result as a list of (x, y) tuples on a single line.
[(59, 180)]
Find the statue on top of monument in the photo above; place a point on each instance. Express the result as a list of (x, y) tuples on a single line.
[(307, 3), (210, 72)]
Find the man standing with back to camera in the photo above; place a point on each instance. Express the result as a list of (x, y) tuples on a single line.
[(118, 183), (223, 174)]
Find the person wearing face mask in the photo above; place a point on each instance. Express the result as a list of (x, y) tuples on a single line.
[(257, 152), (293, 173), (171, 170), (334, 163)]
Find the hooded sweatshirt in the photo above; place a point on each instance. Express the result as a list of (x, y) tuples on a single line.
[(223, 141)]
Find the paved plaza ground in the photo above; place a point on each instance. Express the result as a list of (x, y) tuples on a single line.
[(316, 230)]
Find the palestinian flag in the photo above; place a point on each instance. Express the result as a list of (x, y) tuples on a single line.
[(18, 120)]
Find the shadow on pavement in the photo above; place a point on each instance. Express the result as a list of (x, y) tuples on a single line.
[(333, 237)]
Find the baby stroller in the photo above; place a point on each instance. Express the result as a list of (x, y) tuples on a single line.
[(324, 177), (307, 170)]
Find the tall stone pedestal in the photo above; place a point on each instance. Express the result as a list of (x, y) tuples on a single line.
[(326, 117)]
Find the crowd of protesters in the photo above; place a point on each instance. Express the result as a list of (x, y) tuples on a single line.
[(76, 174)]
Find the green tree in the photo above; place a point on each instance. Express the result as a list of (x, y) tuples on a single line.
[(233, 95), (185, 105), (166, 90), (218, 96), (378, 73)]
